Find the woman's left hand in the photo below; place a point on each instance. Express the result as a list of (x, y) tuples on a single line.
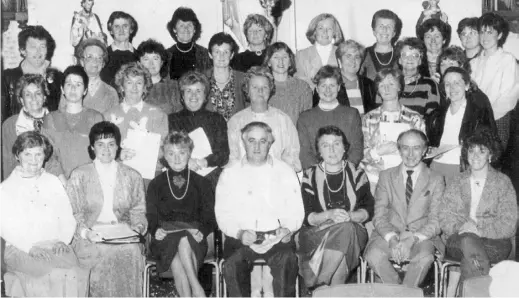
[(202, 163), (193, 164), (59, 248), (196, 234)]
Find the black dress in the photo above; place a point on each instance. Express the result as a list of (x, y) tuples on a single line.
[(215, 128), (183, 57), (195, 209), (245, 60)]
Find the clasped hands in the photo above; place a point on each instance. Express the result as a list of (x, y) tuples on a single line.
[(248, 237), (338, 215), (401, 246), (160, 234)]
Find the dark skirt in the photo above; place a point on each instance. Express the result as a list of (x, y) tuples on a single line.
[(165, 250), (344, 241)]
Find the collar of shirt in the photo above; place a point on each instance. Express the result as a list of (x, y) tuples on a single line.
[(325, 106), (245, 162), (105, 169), (127, 107), (24, 123), (461, 109), (414, 176), (324, 52), (116, 48)]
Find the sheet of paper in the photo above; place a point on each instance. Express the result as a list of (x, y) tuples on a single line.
[(117, 231), (390, 131), (202, 148), (146, 146), (440, 150)]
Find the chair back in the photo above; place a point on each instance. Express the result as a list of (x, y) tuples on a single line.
[(368, 290)]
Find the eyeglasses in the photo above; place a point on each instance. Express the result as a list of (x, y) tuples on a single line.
[(468, 33), (410, 56), (91, 58)]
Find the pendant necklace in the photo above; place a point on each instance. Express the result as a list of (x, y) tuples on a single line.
[(187, 185)]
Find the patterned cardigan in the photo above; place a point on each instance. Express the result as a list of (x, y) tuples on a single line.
[(496, 212)]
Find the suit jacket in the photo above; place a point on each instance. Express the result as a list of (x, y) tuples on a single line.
[(393, 214), (308, 63), (496, 212), (86, 196)]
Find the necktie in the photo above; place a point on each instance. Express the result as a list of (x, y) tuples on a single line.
[(409, 186)]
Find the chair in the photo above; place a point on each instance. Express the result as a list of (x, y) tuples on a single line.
[(258, 262), (436, 265), (447, 262), (210, 259), (368, 290), (476, 286)]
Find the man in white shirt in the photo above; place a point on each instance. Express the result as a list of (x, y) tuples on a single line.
[(406, 215), (256, 195)]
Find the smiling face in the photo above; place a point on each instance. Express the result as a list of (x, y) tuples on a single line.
[(121, 30), (221, 55), (35, 51), (388, 88), (194, 96), (384, 31), (478, 157), (446, 63), (433, 40), (176, 156), (328, 89), (324, 33), (31, 161), (455, 86), (411, 149), (92, 61), (469, 38), (153, 63), (105, 149), (409, 59), (331, 149), (256, 35), (185, 31), (489, 38), (133, 89), (32, 99), (74, 89), (280, 62), (351, 60), (257, 145)]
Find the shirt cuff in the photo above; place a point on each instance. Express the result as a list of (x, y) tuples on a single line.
[(421, 237), (390, 235)]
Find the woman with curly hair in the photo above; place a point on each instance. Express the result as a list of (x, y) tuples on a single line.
[(478, 209), (258, 32)]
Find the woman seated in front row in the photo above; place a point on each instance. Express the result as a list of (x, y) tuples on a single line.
[(106, 192), (38, 226), (337, 203), (478, 209), (180, 212)]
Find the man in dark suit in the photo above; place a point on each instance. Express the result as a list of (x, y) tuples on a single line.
[(406, 215)]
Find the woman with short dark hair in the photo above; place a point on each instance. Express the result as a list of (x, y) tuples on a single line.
[(37, 47), (180, 212), (123, 28), (38, 226), (478, 211), (386, 26), (259, 33), (337, 202), (106, 193), (469, 36), (292, 95), (164, 93), (194, 87), (495, 65), (436, 35), (186, 54), (68, 127), (225, 92)]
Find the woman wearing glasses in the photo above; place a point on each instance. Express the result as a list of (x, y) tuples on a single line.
[(469, 37)]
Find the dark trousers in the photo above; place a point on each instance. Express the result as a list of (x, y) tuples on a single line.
[(476, 253), (239, 262)]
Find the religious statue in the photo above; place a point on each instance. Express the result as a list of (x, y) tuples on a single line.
[(431, 11), (86, 24)]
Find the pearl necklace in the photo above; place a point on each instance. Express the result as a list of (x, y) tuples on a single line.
[(383, 64), (326, 180), (187, 185), (182, 51)]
